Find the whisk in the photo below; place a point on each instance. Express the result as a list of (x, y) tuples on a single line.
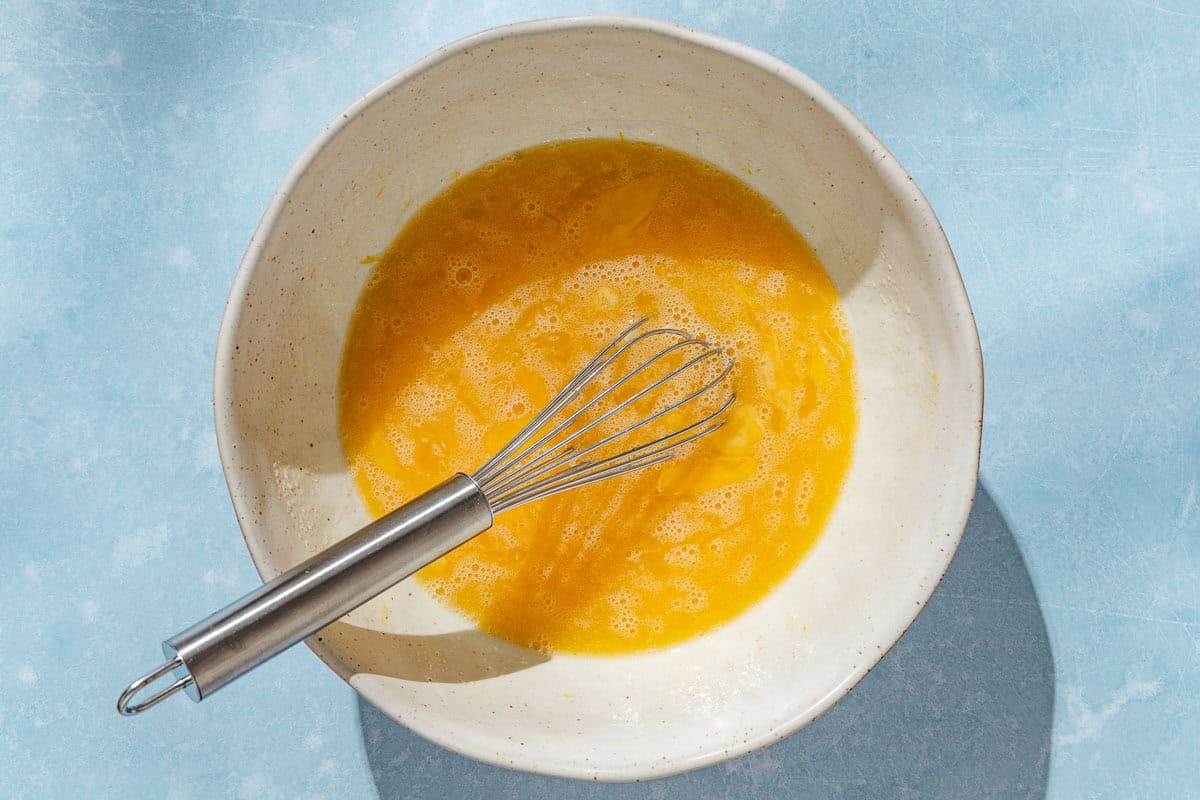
[(600, 425)]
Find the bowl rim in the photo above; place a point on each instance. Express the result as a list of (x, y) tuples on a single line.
[(893, 173)]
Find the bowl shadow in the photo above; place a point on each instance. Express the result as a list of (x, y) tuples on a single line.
[(961, 707)]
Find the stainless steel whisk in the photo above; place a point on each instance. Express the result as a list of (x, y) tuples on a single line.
[(561, 448)]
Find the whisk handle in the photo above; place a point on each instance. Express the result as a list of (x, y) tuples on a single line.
[(313, 594)]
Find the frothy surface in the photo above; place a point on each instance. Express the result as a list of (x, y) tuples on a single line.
[(502, 287)]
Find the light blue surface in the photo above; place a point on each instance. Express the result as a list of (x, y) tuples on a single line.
[(1060, 147)]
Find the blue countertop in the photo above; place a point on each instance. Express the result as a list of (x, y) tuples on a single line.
[(1058, 143)]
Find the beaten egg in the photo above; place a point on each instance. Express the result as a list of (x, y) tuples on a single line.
[(496, 293)]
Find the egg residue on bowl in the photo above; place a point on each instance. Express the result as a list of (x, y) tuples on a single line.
[(493, 296)]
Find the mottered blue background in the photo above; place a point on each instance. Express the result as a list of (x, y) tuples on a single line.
[(1059, 144)]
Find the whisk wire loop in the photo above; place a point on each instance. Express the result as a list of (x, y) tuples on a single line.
[(539, 466), (643, 455), (548, 457), (564, 396), (595, 401)]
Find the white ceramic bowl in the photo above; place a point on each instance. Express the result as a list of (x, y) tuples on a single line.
[(906, 498)]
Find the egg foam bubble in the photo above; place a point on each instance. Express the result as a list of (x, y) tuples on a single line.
[(494, 295)]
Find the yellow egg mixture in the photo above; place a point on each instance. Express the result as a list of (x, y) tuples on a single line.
[(499, 290)]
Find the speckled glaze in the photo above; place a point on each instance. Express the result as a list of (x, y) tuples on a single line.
[(911, 483)]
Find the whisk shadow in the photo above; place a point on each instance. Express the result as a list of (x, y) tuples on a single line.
[(961, 707), (458, 657)]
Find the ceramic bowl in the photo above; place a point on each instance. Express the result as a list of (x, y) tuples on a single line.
[(908, 491)]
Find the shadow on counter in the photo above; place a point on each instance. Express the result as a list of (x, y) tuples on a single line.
[(960, 708)]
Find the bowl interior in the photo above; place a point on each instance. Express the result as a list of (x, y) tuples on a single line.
[(906, 497)]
